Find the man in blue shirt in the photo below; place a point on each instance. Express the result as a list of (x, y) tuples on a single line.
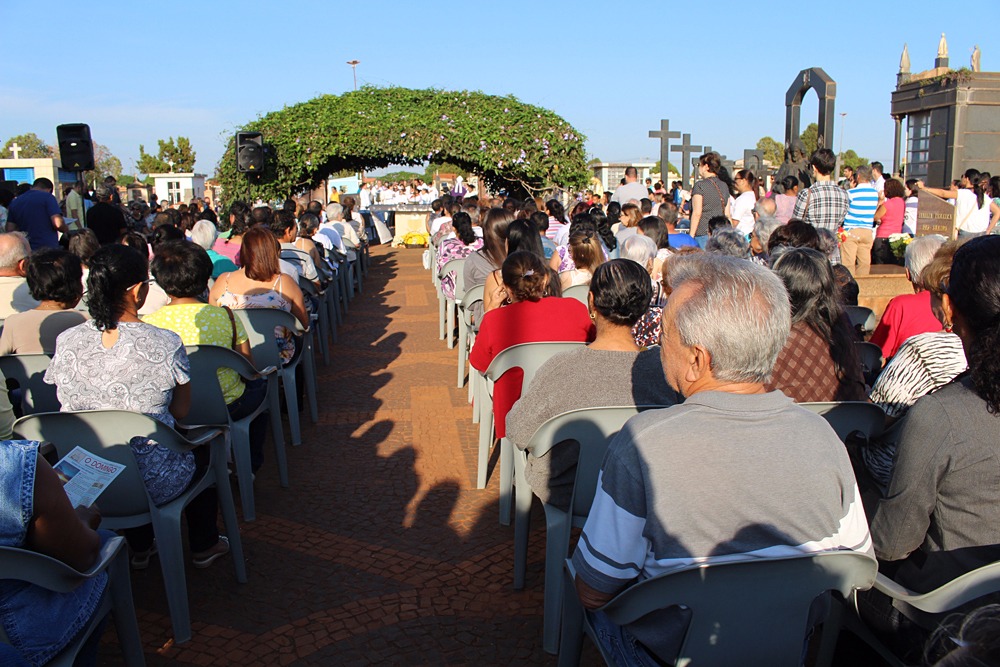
[(668, 213), (856, 250), (36, 213)]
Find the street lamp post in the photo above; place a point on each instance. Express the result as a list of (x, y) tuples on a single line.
[(840, 151), (354, 69)]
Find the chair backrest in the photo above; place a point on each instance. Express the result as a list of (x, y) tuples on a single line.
[(752, 612), (458, 267), (578, 292), (847, 417), (871, 359), (594, 429), (208, 406), (260, 324), (105, 433), (28, 371), (862, 317), (528, 357)]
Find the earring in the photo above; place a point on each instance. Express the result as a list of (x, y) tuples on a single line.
[(948, 327), (593, 316)]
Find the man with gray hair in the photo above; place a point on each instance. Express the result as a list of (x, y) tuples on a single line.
[(15, 297), (909, 314), (708, 481)]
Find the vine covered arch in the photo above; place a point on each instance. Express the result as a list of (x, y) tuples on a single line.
[(510, 145)]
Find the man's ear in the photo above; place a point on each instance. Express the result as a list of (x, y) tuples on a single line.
[(699, 363), (22, 267)]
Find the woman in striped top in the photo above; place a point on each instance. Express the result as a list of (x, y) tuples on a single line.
[(923, 364)]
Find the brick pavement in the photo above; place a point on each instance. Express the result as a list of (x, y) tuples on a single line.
[(382, 550)]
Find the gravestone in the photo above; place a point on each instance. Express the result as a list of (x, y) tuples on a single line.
[(934, 216), (664, 134), (685, 148), (753, 160)]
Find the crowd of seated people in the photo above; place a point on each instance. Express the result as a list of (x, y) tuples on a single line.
[(115, 313)]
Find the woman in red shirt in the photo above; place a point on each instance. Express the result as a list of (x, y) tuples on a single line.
[(888, 221), (529, 315)]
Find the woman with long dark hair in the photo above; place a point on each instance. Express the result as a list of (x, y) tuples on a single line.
[(483, 262), (819, 362), (654, 227), (239, 222), (557, 218), (521, 235), (939, 516), (710, 196), (464, 243), (975, 213)]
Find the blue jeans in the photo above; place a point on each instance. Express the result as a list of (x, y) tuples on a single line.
[(254, 393), (619, 643), (702, 241)]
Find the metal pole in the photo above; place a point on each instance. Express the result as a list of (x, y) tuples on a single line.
[(840, 151)]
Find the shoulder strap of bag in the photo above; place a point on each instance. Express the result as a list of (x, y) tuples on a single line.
[(232, 321), (722, 199)]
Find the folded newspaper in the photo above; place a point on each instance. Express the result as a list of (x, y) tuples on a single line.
[(86, 476)]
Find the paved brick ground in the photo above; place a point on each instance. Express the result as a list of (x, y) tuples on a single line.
[(382, 551)]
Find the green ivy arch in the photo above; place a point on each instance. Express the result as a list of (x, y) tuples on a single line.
[(509, 144)]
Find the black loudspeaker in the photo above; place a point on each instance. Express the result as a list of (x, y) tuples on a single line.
[(76, 150), (250, 152)]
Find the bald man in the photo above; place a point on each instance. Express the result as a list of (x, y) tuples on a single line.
[(15, 297)]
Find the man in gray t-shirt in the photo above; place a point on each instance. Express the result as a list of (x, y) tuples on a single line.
[(632, 189), (734, 473)]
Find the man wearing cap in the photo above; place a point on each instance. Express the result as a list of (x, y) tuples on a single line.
[(36, 213), (105, 219)]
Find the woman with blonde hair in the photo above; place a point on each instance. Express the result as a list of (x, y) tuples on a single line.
[(585, 249)]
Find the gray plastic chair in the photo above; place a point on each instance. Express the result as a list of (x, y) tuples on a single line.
[(260, 324), (125, 503), (320, 319), (871, 360), (54, 575), (528, 357), (863, 317), (28, 370), (847, 417), (467, 334), (578, 292), (208, 408), (446, 307), (593, 428), (753, 612)]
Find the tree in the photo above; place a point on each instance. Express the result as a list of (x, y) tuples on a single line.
[(105, 163), (394, 176), (774, 150), (810, 138), (444, 168), (659, 170), (29, 146), (181, 154), (852, 160)]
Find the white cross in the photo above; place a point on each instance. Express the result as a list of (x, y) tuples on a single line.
[(15, 149)]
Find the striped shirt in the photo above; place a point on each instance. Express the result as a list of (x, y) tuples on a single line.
[(862, 207)]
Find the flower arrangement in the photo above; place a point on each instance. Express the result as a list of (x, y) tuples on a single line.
[(898, 243)]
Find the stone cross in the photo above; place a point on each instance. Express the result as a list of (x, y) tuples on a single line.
[(685, 148), (664, 135), (15, 149)]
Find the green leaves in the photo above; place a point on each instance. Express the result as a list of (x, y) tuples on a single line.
[(511, 145)]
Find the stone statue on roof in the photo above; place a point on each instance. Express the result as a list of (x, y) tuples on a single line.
[(976, 56)]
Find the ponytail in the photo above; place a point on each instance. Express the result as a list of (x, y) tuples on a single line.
[(113, 269)]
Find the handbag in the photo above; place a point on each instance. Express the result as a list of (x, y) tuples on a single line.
[(165, 472)]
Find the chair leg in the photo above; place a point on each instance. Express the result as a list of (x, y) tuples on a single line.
[(506, 480), (463, 335), (310, 370), (274, 408), (522, 518), (171, 554), (474, 394), (244, 473), (292, 404), (228, 509), (323, 333), (123, 610), (557, 528), (450, 326), (571, 637), (485, 438), (441, 315)]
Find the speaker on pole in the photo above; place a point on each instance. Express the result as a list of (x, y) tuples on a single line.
[(250, 152), (76, 150)]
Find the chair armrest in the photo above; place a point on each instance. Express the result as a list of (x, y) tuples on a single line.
[(107, 554), (885, 585), (264, 372), (203, 438)]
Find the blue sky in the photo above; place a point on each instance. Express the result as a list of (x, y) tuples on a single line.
[(718, 70)]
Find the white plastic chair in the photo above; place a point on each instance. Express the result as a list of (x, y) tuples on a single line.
[(593, 428), (126, 504), (446, 306), (208, 408), (863, 317), (466, 333), (28, 371), (54, 575), (578, 292), (528, 357), (260, 324)]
